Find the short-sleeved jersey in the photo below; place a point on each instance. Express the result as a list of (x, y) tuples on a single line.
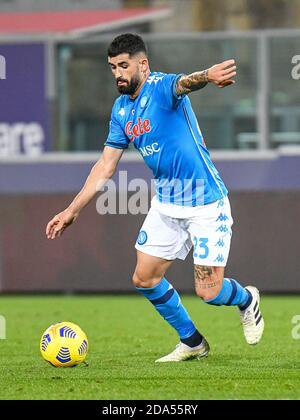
[(164, 129)]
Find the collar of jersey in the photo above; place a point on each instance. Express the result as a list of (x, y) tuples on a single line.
[(139, 95)]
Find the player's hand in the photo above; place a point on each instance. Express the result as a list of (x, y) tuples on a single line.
[(222, 74), (59, 223)]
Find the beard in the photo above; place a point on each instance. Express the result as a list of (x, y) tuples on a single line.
[(131, 87)]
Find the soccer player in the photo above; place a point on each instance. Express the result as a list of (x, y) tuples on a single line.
[(191, 208)]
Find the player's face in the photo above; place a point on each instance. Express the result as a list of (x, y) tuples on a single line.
[(127, 72)]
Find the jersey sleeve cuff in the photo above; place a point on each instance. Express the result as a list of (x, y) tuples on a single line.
[(116, 145), (175, 94)]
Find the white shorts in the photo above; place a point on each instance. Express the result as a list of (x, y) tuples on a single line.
[(205, 228)]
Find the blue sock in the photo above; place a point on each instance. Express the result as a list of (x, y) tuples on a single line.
[(167, 302), (232, 294)]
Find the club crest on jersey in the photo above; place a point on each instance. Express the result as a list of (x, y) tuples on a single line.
[(134, 131), (144, 101)]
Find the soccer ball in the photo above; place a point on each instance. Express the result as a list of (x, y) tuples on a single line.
[(64, 345)]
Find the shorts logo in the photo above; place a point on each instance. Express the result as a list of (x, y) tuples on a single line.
[(220, 243), (219, 259), (223, 229), (222, 218), (142, 238), (221, 203)]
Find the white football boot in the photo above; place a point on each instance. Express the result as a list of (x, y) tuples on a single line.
[(183, 352), (252, 320)]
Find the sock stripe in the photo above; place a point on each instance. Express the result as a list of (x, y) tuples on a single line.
[(163, 299), (194, 340), (249, 301), (167, 303), (233, 293)]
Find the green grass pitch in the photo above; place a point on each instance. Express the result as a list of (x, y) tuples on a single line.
[(126, 335)]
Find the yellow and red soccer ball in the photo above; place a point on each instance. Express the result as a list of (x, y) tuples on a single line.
[(64, 345)]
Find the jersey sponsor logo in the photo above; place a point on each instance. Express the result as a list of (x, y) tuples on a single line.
[(150, 149), (133, 131)]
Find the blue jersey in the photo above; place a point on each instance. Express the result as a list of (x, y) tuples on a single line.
[(164, 129)]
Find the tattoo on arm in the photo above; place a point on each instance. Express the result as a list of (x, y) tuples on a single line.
[(204, 278), (192, 82)]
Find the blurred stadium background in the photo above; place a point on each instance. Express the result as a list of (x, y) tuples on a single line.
[(56, 94)]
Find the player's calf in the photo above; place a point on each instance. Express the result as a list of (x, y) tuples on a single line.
[(165, 299), (215, 290), (208, 281)]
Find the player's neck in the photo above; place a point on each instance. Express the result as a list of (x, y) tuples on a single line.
[(136, 94)]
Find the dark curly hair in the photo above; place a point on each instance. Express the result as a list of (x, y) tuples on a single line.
[(126, 43)]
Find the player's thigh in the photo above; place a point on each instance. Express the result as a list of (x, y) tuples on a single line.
[(149, 270), (163, 237), (161, 240)]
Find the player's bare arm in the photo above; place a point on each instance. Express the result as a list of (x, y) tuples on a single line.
[(221, 75), (101, 172)]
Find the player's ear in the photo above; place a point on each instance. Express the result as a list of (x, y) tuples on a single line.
[(144, 64)]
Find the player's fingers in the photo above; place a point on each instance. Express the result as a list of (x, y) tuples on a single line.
[(229, 70), (228, 76), (54, 234), (58, 228), (60, 233), (227, 63), (227, 83), (50, 229), (53, 231), (52, 223)]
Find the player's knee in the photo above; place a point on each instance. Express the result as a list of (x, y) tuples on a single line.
[(144, 281)]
